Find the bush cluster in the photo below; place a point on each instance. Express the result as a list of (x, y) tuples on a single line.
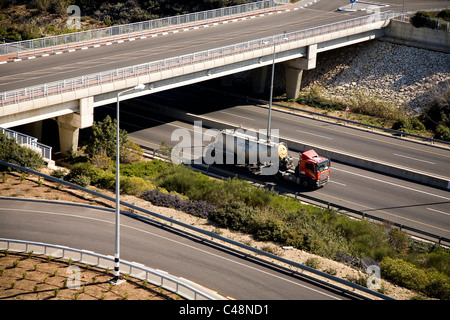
[(428, 281), (85, 174), (429, 20), (198, 208), (12, 152), (436, 116)]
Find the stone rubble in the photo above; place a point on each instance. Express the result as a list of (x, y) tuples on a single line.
[(402, 75)]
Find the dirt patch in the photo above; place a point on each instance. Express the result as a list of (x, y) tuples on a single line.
[(31, 277), (15, 185)]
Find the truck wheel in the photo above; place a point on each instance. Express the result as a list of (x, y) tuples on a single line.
[(304, 183)]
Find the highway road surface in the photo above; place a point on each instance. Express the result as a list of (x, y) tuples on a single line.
[(404, 202), (422, 157), (228, 272)]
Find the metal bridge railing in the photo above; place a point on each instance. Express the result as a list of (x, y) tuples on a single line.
[(29, 142), (69, 85)]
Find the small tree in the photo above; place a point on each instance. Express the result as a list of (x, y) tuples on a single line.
[(103, 139)]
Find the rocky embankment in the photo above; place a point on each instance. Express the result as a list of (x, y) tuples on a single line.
[(402, 75)]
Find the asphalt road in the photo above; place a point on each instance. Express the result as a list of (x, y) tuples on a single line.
[(42, 70), (229, 273), (393, 199), (382, 147)]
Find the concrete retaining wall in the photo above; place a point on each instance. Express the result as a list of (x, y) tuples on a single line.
[(406, 34)]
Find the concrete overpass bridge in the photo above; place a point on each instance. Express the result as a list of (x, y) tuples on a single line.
[(68, 85)]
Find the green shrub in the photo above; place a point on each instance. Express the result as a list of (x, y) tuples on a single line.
[(104, 179), (403, 273), (422, 19), (430, 282), (12, 152), (442, 132), (444, 14), (135, 185), (81, 180), (194, 185), (315, 98), (98, 177), (408, 125), (312, 263), (145, 169), (59, 173), (235, 216), (366, 239)]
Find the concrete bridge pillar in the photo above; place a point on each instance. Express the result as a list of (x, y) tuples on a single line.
[(68, 137), (70, 124), (259, 77), (294, 71)]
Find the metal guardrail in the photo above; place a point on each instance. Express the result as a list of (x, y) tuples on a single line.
[(212, 235), (125, 31), (29, 142), (73, 84), (135, 270)]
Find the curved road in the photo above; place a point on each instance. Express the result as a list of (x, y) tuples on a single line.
[(223, 270)]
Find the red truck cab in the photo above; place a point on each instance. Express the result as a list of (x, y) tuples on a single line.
[(312, 169)]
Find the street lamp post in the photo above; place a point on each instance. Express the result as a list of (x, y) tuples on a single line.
[(116, 279), (271, 93), (271, 87)]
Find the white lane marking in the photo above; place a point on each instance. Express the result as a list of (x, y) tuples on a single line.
[(448, 214), (399, 155), (313, 134), (392, 184), (179, 243), (236, 115), (341, 184)]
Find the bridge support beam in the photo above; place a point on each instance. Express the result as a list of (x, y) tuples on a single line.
[(294, 71), (70, 124)]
